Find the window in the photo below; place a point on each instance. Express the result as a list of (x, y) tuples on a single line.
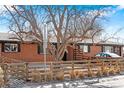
[(40, 49), (85, 48), (117, 50), (108, 49), (123, 51), (10, 47)]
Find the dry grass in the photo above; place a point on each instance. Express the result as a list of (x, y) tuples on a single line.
[(99, 73), (112, 70), (118, 70), (77, 74), (36, 76), (60, 75), (105, 71), (90, 73), (49, 76), (1, 78), (1, 82), (1, 71), (81, 74), (72, 74)]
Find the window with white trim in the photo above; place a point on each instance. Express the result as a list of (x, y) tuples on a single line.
[(85, 48), (108, 49), (10, 47)]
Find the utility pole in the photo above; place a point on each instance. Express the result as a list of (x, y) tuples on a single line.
[(45, 34)]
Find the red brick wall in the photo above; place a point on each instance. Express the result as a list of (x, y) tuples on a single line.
[(93, 51), (70, 53), (28, 53)]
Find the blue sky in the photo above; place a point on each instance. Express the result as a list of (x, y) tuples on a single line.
[(115, 20)]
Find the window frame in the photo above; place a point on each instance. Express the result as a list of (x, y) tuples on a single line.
[(83, 47), (111, 48), (11, 44), (38, 49)]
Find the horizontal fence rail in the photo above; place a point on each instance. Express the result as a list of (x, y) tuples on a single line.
[(59, 70)]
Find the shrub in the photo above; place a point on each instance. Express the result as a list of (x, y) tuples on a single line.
[(72, 74), (81, 75), (76, 74), (99, 73), (90, 73), (60, 75), (112, 70)]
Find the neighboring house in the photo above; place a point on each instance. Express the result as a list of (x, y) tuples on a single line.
[(85, 50), (30, 51)]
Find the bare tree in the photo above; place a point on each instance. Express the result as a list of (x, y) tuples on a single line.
[(73, 25), (108, 37), (25, 20), (68, 25)]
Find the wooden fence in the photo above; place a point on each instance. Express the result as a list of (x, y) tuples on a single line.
[(40, 72)]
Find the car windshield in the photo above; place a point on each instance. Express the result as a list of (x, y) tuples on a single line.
[(97, 55)]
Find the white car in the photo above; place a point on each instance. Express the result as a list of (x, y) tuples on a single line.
[(107, 55)]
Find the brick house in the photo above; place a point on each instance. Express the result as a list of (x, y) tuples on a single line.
[(90, 50), (30, 51)]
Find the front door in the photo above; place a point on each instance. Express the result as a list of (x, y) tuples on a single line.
[(65, 57)]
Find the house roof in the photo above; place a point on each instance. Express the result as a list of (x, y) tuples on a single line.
[(9, 37), (13, 37), (98, 42)]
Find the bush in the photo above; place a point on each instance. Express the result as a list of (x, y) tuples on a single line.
[(112, 70), (76, 74), (81, 75), (60, 75), (72, 74), (99, 73)]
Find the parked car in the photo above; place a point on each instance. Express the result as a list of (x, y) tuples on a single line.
[(107, 55)]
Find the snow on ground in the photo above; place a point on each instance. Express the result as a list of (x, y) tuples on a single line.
[(111, 84), (104, 82)]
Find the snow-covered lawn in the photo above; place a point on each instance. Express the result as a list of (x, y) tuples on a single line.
[(110, 84), (104, 82)]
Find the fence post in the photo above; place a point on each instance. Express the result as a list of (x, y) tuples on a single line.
[(103, 67), (51, 70), (89, 69), (119, 66), (72, 72), (4, 66), (26, 71)]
